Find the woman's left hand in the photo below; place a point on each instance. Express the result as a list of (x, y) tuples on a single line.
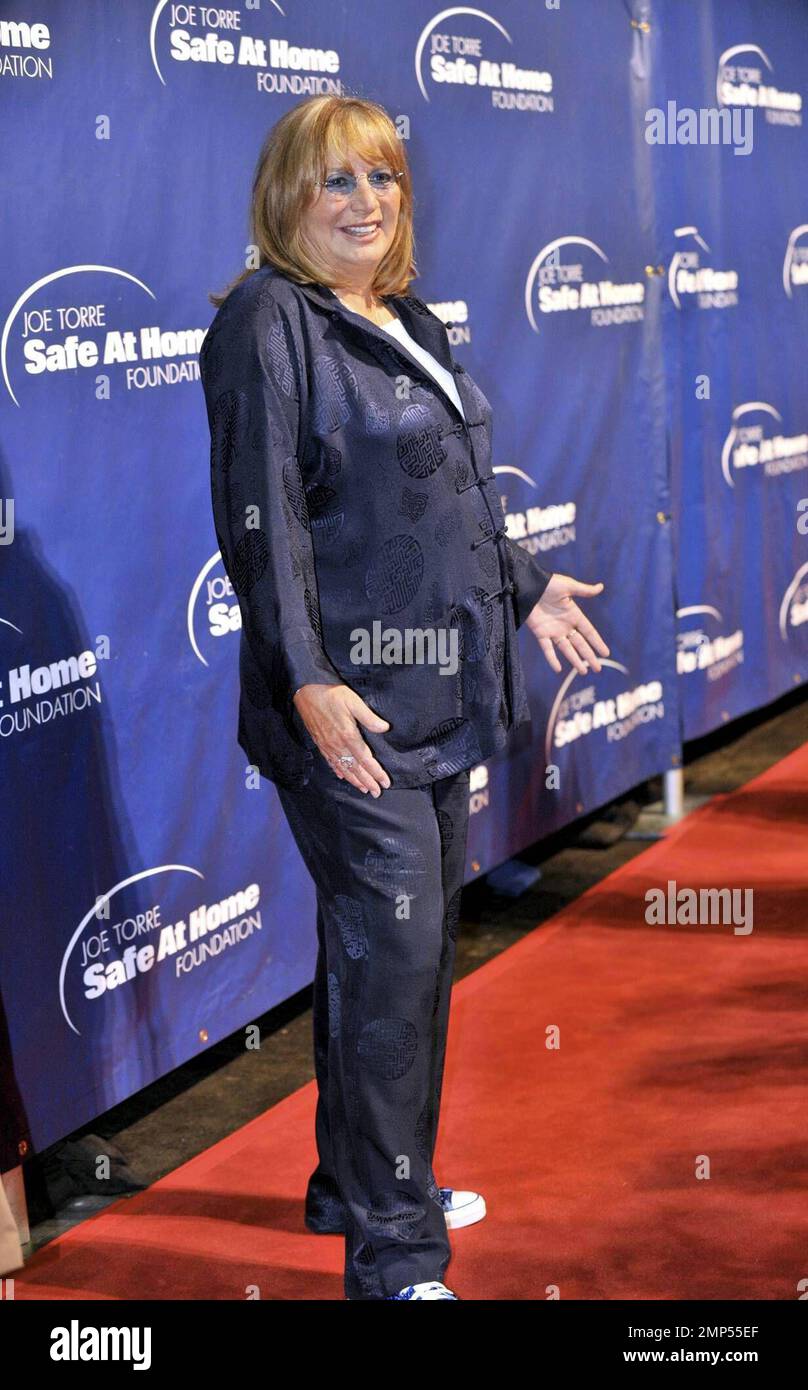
[(556, 618)]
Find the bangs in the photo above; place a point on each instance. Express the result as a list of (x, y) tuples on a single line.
[(351, 128)]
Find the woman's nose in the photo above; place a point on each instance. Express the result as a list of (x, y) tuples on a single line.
[(363, 196)]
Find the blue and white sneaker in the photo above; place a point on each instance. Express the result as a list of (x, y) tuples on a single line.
[(461, 1208), (427, 1290), (325, 1213)]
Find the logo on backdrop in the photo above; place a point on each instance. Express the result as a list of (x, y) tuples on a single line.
[(794, 605), (31, 697), (77, 335), (111, 947), (691, 283), (223, 614), (25, 50), (750, 445), (538, 529), (584, 714), (210, 36), (714, 652), (743, 79), (445, 57), (795, 262), (565, 281)]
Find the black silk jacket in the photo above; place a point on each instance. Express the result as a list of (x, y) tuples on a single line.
[(347, 489)]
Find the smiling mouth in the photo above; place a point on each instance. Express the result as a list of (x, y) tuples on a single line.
[(362, 231)]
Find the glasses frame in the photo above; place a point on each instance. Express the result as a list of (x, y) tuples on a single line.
[(382, 193)]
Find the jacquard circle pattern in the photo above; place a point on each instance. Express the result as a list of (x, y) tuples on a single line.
[(418, 446), (330, 460), (231, 415), (293, 487), (450, 747), (396, 1214), (377, 419), (446, 528), (326, 514), (250, 561), (267, 299), (394, 576), (335, 389), (462, 473), (394, 867), (413, 504), (388, 1047), (351, 924), (281, 365)]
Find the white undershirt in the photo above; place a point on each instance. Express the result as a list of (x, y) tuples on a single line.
[(443, 377)]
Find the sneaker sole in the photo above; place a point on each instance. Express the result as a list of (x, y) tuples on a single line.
[(466, 1216)]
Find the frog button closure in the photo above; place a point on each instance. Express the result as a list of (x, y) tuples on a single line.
[(494, 536), (476, 482)]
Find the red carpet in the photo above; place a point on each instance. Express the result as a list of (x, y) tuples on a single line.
[(679, 1045)]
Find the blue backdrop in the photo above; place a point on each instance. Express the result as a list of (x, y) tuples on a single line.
[(636, 312)]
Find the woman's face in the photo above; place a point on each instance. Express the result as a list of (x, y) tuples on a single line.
[(353, 255)]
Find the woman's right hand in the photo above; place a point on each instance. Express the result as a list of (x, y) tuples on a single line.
[(332, 714)]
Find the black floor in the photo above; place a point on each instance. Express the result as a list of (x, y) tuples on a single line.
[(208, 1098)]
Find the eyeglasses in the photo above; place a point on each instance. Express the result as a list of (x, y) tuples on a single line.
[(340, 186)]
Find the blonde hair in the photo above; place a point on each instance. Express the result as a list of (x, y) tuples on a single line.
[(293, 158)]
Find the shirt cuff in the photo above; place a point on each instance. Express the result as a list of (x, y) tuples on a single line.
[(304, 663), (530, 580)]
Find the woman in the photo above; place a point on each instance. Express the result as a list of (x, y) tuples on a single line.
[(354, 504)]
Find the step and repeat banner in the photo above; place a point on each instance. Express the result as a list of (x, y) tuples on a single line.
[(611, 214), (732, 224)]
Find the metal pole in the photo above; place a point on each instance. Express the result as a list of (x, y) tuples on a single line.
[(674, 793)]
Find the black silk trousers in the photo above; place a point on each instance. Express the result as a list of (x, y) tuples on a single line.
[(388, 873)]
